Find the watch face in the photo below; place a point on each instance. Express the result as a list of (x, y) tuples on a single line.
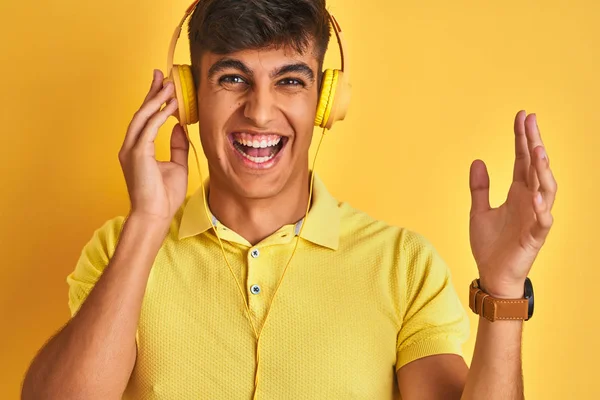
[(529, 295)]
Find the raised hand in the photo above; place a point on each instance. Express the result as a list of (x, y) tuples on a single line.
[(506, 240), (156, 188)]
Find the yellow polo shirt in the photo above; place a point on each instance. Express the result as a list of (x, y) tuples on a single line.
[(360, 299)]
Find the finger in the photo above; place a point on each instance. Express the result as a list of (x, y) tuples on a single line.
[(157, 120), (157, 80), (522, 158), (180, 146), (548, 185), (544, 219), (141, 117), (534, 139), (479, 183)]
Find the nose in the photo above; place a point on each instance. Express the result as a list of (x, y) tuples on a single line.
[(260, 107)]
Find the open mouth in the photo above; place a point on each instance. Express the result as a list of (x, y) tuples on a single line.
[(259, 149)]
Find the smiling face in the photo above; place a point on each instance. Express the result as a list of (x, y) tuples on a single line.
[(256, 115)]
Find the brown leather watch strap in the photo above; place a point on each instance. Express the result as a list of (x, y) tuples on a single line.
[(493, 309)]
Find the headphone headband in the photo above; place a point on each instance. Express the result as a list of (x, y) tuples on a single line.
[(336, 28), (176, 34), (340, 39)]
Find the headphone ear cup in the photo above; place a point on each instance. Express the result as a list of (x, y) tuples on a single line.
[(341, 100), (328, 89), (185, 92)]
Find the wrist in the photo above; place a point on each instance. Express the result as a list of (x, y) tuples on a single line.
[(502, 291), (149, 227), (150, 221)]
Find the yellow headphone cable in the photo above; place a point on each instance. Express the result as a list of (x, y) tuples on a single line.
[(257, 335)]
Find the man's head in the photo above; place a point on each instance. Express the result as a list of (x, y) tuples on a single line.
[(257, 67)]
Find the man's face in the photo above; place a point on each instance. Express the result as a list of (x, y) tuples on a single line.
[(256, 113)]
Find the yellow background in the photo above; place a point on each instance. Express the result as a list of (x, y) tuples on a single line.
[(436, 85)]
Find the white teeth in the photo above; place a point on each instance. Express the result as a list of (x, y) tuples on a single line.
[(259, 144), (258, 160)]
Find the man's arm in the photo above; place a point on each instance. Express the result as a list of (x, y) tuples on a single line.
[(438, 377), (93, 355), (495, 369), (505, 241)]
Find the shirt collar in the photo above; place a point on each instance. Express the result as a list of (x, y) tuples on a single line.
[(322, 223)]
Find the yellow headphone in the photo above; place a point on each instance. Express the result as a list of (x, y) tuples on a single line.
[(333, 100)]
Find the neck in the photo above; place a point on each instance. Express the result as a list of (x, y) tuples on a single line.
[(256, 219)]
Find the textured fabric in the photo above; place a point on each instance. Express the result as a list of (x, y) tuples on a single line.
[(360, 299)]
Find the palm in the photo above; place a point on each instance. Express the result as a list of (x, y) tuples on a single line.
[(506, 240), (158, 188), (504, 233)]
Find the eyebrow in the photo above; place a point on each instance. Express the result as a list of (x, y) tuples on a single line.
[(300, 68), (228, 63), (231, 63)]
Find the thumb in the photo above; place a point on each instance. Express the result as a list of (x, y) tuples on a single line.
[(180, 146), (479, 182)]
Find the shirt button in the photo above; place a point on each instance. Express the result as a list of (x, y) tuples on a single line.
[(255, 289), (255, 253)]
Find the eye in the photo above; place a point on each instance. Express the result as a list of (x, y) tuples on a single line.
[(231, 80), (292, 82)]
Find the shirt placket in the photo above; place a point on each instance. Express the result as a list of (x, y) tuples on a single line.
[(264, 274)]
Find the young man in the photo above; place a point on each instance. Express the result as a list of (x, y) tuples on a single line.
[(363, 310)]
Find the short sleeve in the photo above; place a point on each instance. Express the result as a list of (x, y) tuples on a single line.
[(434, 320), (94, 258)]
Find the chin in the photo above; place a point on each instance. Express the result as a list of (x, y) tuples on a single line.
[(263, 184)]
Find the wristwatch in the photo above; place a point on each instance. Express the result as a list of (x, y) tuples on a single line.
[(494, 309)]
